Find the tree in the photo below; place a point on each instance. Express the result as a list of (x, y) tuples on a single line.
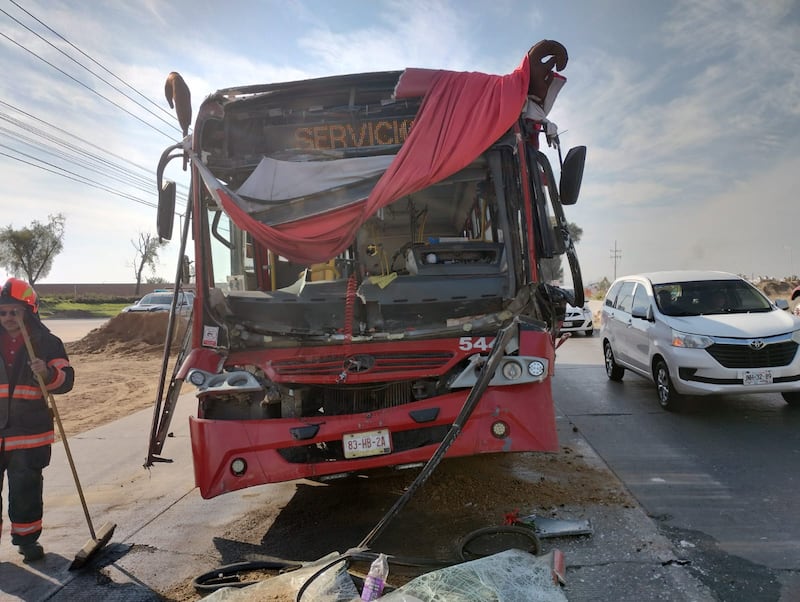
[(147, 249), (552, 269), (602, 287), (30, 251)]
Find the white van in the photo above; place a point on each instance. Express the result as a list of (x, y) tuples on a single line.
[(700, 333), (578, 319)]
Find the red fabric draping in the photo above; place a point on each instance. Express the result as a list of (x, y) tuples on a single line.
[(461, 115)]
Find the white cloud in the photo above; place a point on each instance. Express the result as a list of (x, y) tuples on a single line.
[(418, 33)]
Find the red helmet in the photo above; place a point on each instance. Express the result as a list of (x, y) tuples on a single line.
[(19, 291)]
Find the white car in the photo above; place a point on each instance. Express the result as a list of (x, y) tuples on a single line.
[(161, 301), (700, 333), (578, 319)]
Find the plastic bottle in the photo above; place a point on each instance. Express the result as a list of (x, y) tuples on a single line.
[(376, 579)]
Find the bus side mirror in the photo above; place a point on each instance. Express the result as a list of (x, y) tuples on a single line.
[(166, 210), (572, 175)]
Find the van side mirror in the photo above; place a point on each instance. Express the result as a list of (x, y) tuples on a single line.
[(643, 313), (166, 210), (572, 175), (782, 304)]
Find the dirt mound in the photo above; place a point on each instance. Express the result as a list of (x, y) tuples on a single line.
[(130, 332), (777, 288)]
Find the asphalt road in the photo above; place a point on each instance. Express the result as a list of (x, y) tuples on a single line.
[(73, 330), (721, 479)]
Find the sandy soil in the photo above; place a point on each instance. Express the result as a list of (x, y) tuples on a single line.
[(117, 368)]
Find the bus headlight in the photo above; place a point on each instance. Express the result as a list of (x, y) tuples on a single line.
[(536, 368), (197, 377), (500, 429), (238, 466), (512, 370)]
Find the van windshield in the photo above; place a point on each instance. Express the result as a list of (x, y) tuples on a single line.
[(709, 297)]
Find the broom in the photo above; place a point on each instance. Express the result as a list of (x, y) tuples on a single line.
[(101, 537)]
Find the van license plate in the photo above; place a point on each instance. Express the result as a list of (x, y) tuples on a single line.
[(758, 377), (368, 443)]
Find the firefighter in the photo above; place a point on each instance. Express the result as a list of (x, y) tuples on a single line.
[(26, 423)]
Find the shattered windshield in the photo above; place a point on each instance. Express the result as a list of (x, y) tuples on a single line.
[(426, 261)]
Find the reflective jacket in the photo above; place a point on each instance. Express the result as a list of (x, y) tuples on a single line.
[(25, 418)]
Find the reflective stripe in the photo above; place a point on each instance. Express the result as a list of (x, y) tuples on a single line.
[(58, 363), (27, 392), (29, 441), (26, 528)]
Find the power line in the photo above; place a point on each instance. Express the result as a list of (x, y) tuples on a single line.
[(78, 154), (143, 180), (104, 68), (43, 133), (65, 151), (74, 60), (74, 177), (80, 83), (122, 176)]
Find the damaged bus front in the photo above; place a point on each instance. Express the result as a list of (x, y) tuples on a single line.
[(356, 253)]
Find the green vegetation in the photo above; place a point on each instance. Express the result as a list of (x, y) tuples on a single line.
[(82, 307), (30, 251)]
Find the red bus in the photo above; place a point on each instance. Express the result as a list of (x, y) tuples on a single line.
[(360, 243)]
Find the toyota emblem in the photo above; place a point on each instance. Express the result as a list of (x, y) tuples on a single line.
[(757, 344)]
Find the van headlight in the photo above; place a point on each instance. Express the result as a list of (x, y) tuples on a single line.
[(690, 341), (796, 336)]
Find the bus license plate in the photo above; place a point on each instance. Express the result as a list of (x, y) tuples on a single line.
[(368, 443), (758, 377)]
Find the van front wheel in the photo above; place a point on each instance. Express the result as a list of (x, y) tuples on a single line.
[(613, 370), (792, 398), (668, 397)]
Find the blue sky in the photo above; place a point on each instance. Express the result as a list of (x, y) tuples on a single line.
[(690, 110)]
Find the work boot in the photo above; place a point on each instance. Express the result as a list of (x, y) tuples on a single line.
[(32, 551)]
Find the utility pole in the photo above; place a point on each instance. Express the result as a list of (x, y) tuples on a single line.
[(616, 254)]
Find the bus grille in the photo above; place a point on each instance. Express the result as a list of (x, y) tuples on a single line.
[(375, 364), (366, 399)]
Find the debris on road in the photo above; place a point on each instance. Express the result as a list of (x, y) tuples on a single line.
[(508, 575)]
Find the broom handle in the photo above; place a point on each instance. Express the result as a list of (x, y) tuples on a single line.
[(52, 402)]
